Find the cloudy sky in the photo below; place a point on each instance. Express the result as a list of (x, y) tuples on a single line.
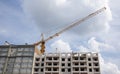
[(23, 21)]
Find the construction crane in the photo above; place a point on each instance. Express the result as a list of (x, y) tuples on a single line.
[(42, 42)]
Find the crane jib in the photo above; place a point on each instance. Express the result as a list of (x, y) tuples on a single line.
[(76, 23), (42, 42)]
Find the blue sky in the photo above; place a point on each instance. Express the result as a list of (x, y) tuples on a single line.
[(22, 21), (15, 26)]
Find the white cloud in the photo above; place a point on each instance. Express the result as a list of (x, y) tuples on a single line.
[(108, 67), (96, 46), (99, 46), (56, 13), (83, 49), (61, 46)]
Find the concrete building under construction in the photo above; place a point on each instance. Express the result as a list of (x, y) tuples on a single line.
[(26, 59), (21, 59), (16, 59)]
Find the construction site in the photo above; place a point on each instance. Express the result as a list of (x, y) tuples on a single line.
[(29, 59), (20, 59)]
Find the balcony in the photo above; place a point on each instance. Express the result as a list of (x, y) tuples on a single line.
[(95, 59), (76, 64), (76, 69)]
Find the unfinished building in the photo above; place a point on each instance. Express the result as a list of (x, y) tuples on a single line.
[(21, 59), (16, 59), (67, 63)]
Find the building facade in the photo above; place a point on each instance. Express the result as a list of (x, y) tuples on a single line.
[(21, 59), (16, 59), (67, 63)]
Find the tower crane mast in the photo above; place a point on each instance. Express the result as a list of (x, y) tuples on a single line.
[(42, 42)]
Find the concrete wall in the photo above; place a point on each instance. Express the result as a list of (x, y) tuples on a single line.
[(16, 59), (67, 63)]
